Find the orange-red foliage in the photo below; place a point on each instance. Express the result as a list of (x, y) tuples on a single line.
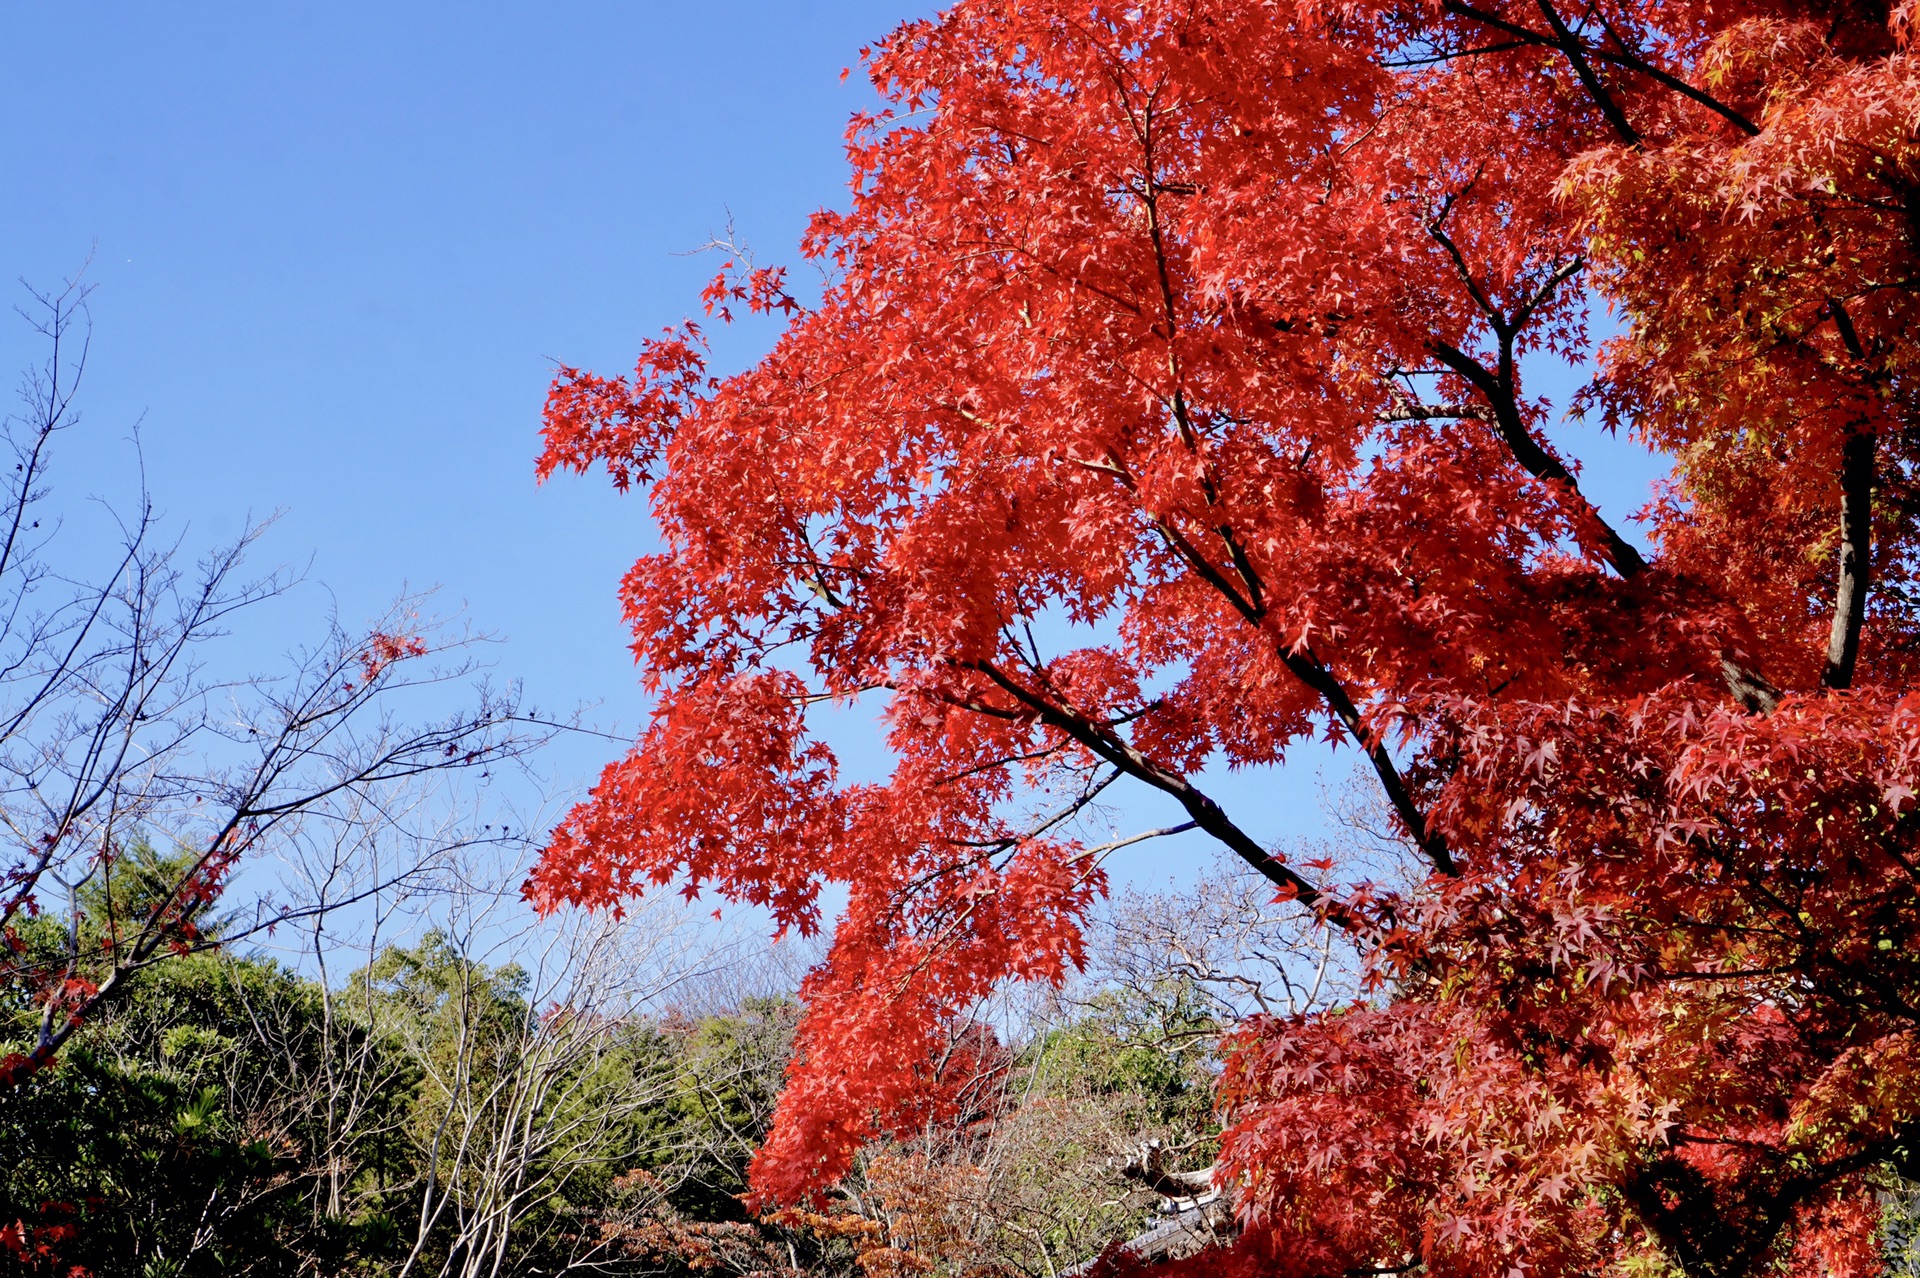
[(1200, 326)]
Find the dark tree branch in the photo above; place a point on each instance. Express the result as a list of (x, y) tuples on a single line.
[(1315, 675), (1502, 397), (1622, 56), (1856, 530), (1500, 389), (1576, 52), (1205, 813), (1249, 598), (1568, 44), (1410, 412), (1582, 56), (1548, 287)]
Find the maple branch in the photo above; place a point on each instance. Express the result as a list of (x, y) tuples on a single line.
[(1205, 813), (1312, 672), (991, 765), (1090, 791), (1622, 56), (1251, 602), (1526, 35), (1251, 605), (1411, 412), (1503, 400), (1568, 44), (1626, 57), (1748, 687), (1504, 46), (1561, 274), (1500, 388), (1165, 831), (1436, 229), (1856, 530), (1817, 952), (1315, 675), (1178, 404)]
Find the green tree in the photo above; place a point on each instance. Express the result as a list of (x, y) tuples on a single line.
[(164, 1143)]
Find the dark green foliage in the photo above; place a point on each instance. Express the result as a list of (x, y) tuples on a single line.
[(196, 1128), (1152, 1052), (202, 1126), (723, 1103), (159, 1142)]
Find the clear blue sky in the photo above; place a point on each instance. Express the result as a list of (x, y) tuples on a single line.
[(338, 246)]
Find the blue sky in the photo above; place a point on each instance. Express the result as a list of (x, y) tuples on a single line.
[(336, 249)]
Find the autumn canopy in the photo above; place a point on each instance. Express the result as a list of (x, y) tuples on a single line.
[(1164, 405)]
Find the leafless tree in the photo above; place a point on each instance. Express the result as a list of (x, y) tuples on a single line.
[(532, 1038), (123, 722), (1231, 941), (1225, 939), (372, 882)]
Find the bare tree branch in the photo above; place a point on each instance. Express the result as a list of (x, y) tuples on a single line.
[(115, 730)]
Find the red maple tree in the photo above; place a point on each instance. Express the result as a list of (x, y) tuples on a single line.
[(1165, 405)]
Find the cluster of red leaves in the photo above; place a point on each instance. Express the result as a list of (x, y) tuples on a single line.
[(383, 650), (762, 288), (911, 1217), (1166, 404), (32, 1247), (1672, 998), (653, 1234)]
